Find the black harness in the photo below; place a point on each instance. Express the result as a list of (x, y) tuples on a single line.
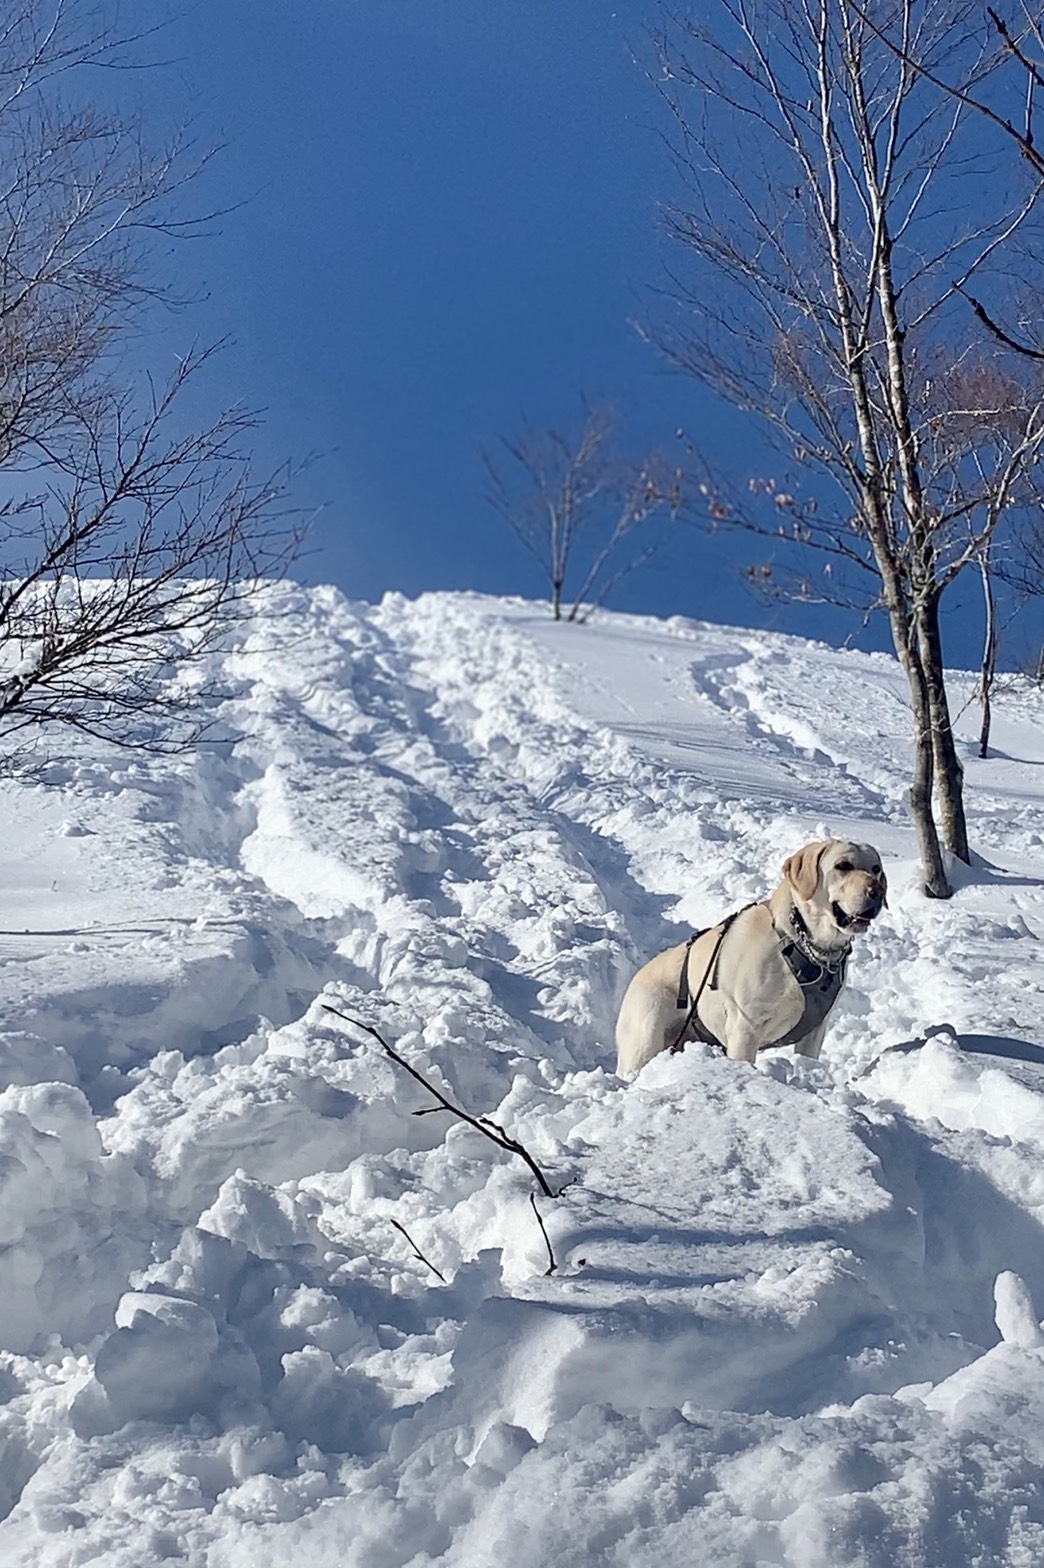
[(819, 973)]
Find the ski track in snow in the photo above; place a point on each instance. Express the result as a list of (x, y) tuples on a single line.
[(792, 1319)]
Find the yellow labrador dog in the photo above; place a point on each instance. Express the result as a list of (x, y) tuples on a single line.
[(768, 975)]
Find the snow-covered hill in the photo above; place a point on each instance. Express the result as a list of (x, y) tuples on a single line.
[(255, 1309)]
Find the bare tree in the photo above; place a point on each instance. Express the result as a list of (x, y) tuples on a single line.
[(1022, 49), (127, 533), (141, 546), (578, 507), (824, 173)]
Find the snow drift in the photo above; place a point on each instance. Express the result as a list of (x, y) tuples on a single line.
[(255, 1308)]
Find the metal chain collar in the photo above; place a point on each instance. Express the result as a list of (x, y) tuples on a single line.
[(830, 960)]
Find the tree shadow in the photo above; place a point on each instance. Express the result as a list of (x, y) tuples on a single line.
[(1002, 1045), (1008, 1047)]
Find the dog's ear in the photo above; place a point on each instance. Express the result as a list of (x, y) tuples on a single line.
[(802, 869), (884, 888)]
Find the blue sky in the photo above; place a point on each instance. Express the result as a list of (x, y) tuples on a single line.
[(444, 224)]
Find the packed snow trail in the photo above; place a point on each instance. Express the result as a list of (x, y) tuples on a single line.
[(258, 1309)]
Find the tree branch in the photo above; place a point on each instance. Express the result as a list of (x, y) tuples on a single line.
[(551, 1264), (488, 1129), (998, 331), (417, 1253)]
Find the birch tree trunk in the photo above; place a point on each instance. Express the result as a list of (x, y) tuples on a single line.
[(989, 655), (949, 771)]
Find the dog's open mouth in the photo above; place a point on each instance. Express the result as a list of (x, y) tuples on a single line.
[(849, 922)]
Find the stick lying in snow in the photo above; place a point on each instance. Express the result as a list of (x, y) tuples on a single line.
[(417, 1253), (489, 1129), (551, 1264)]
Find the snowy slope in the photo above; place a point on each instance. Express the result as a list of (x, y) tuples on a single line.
[(794, 1314)]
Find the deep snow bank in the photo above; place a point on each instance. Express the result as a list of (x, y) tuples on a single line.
[(256, 1308)]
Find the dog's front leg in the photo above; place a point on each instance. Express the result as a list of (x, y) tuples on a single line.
[(812, 1044), (741, 1042)]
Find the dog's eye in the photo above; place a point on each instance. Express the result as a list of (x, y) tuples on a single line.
[(843, 865), (875, 871)]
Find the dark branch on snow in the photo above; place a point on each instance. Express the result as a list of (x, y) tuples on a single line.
[(481, 1124), (417, 1253)]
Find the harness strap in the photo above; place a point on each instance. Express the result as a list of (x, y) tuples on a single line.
[(698, 1027), (684, 997), (820, 985)]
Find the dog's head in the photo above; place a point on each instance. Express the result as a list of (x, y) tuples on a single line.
[(840, 881)]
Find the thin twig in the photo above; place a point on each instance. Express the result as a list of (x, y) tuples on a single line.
[(1032, 68), (416, 1250), (998, 331), (551, 1264), (499, 1137)]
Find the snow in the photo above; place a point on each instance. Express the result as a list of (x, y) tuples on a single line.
[(256, 1309)]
